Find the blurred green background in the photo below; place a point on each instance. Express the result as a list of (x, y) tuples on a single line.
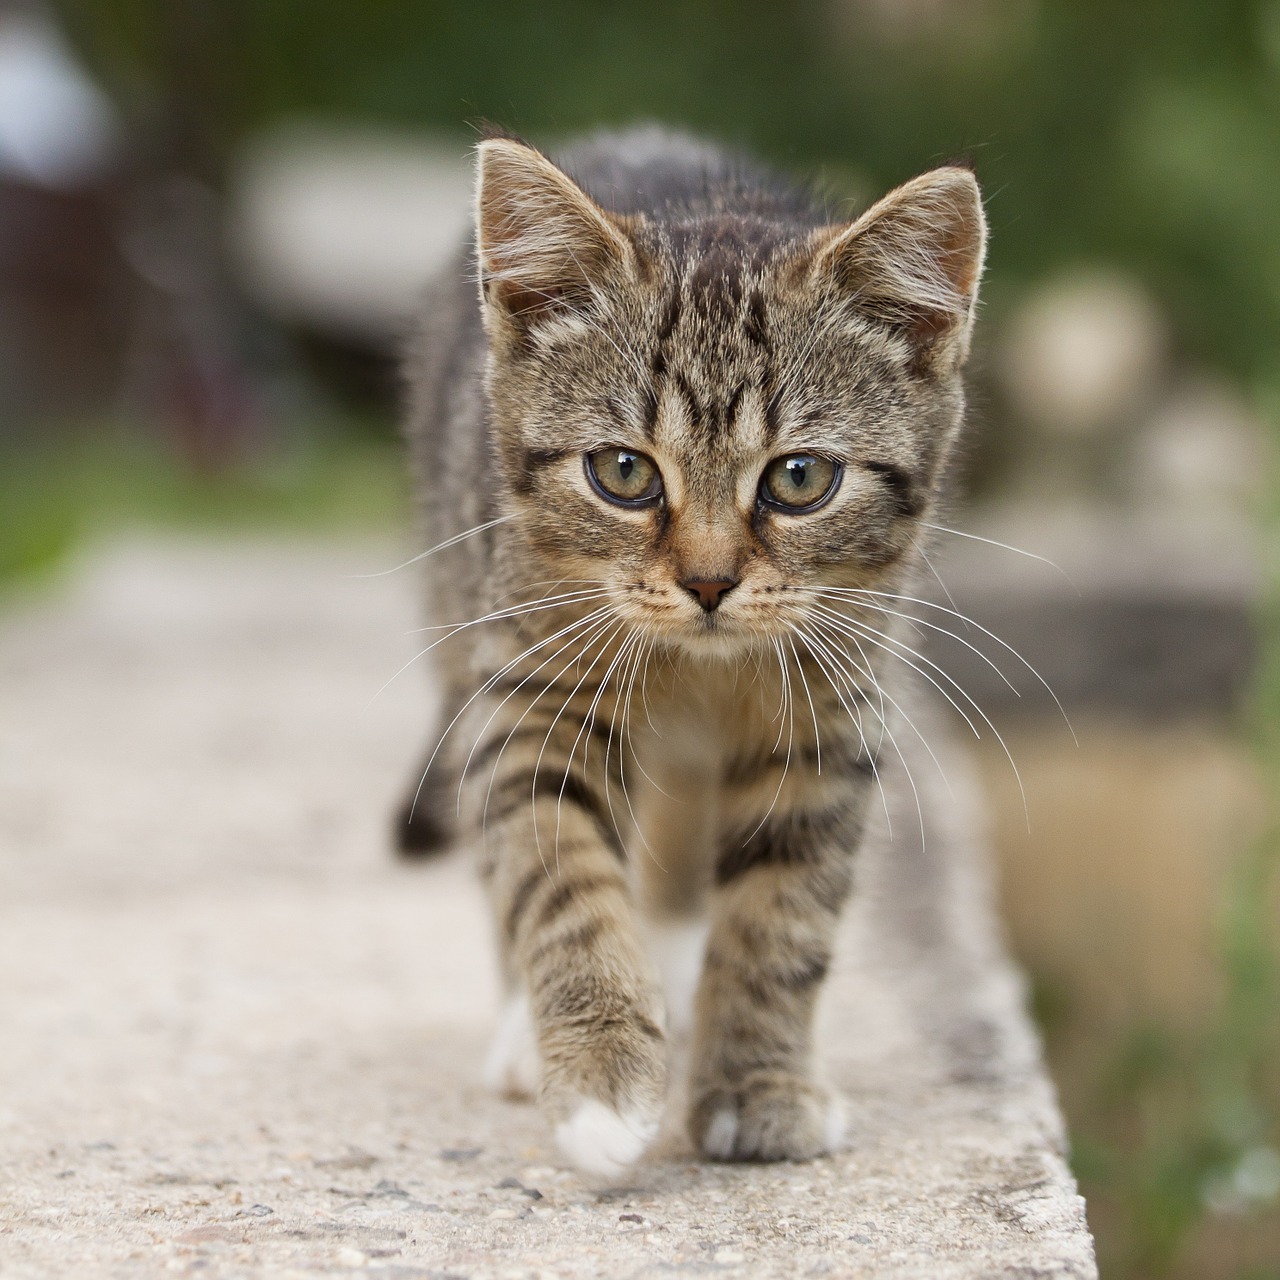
[(1130, 156)]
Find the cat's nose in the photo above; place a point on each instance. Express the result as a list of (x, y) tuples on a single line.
[(709, 594)]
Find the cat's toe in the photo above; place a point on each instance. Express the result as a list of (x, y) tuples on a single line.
[(771, 1117), (602, 1142), (511, 1067)]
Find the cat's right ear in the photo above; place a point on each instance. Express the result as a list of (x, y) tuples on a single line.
[(545, 247)]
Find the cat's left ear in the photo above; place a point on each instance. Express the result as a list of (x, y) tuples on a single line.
[(913, 262)]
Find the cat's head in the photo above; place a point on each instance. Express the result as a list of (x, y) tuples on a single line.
[(717, 413)]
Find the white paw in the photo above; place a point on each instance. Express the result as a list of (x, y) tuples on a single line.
[(511, 1066), (677, 949), (601, 1142)]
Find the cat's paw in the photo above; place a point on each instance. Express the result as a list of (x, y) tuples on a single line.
[(604, 1143), (772, 1116), (511, 1067)]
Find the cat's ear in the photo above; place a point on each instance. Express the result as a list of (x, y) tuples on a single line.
[(545, 247), (913, 262)]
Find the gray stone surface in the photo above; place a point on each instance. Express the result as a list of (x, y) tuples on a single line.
[(1148, 615), (236, 1038)]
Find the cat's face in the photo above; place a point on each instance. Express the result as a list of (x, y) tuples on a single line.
[(719, 419)]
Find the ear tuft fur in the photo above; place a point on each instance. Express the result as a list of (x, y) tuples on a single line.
[(544, 246), (914, 259)]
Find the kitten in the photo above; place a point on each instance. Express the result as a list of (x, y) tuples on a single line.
[(695, 427)]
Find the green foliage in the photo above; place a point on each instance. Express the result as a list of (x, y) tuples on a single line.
[(1143, 133), (104, 480)]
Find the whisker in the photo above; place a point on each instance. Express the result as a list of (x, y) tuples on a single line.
[(837, 677), (946, 591), (817, 736), (462, 626), (638, 649), (564, 706), (585, 645), (883, 640), (440, 546), (834, 639), (791, 720), (487, 685), (859, 593), (515, 610), (588, 627), (588, 722), (1004, 546), (932, 626)]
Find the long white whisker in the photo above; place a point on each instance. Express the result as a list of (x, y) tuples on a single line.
[(791, 721), (933, 626), (624, 741), (817, 736), (602, 629), (475, 622), (884, 640), (946, 590), (1004, 546), (588, 723), (440, 546), (860, 594), (515, 610), (833, 637), (817, 648), (586, 629), (489, 684), (564, 706)]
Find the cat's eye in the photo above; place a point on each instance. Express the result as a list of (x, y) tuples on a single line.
[(624, 476), (799, 482)]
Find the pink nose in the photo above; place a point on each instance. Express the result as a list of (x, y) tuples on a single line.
[(709, 594)]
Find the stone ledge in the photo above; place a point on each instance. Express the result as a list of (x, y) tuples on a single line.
[(240, 1038)]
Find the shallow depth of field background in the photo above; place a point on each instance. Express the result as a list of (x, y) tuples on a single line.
[(215, 216)]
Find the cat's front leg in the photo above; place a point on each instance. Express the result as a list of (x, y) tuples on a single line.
[(558, 887), (779, 893)]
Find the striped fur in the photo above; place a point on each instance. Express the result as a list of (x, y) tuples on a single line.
[(615, 752)]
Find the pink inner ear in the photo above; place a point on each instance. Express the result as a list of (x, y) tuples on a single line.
[(523, 300), (544, 241)]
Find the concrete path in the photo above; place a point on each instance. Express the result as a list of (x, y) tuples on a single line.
[(236, 1038)]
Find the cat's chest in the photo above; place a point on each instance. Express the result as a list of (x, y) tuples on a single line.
[(698, 718)]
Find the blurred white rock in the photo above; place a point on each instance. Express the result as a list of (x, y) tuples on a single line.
[(1204, 448), (1084, 353), (57, 129), (339, 230)]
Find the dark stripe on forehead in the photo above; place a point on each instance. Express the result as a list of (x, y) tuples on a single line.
[(681, 384), (669, 319), (735, 400), (755, 326)]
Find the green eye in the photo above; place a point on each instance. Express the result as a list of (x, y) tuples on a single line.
[(624, 476), (799, 482)]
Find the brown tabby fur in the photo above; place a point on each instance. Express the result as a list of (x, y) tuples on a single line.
[(614, 751)]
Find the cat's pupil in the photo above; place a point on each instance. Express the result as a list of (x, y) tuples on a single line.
[(626, 464), (798, 470)]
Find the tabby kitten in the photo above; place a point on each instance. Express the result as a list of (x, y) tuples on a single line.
[(694, 429)]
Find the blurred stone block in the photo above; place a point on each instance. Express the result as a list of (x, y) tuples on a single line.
[(1144, 614), (338, 231)]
